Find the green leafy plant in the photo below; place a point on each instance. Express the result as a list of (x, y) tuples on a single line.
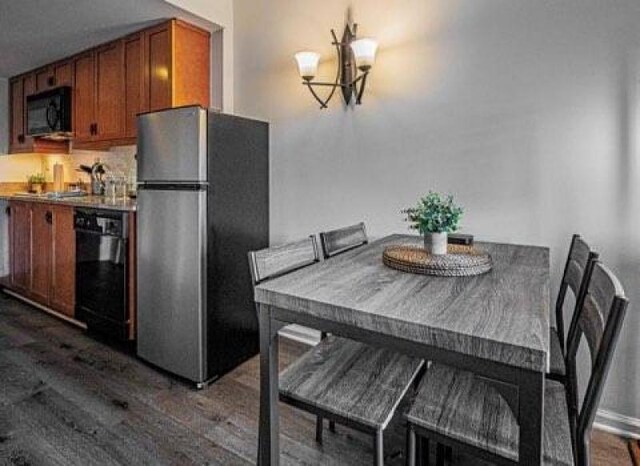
[(37, 178), (434, 213)]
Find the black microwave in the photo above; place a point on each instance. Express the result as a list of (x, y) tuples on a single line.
[(49, 113)]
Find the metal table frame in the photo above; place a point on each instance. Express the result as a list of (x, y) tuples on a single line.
[(523, 389)]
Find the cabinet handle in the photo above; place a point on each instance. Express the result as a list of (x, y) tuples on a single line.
[(49, 217), (21, 138), (7, 211), (51, 81)]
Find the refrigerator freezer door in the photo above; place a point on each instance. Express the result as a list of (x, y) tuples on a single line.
[(171, 265), (172, 146)]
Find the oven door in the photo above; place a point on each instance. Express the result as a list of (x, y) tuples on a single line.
[(101, 277)]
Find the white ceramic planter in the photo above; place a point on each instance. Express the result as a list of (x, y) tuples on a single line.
[(436, 243)]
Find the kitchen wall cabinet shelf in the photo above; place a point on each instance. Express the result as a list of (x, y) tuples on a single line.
[(164, 66)]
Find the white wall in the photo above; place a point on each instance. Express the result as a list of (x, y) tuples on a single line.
[(525, 111)]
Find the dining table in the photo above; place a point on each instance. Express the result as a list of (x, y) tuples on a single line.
[(495, 325)]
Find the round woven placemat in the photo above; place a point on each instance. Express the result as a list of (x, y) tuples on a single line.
[(460, 260)]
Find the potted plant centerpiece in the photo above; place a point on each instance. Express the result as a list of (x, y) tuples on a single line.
[(434, 217), (36, 183)]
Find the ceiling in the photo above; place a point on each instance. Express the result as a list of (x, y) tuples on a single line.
[(37, 32)]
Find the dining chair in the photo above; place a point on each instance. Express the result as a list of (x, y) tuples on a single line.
[(455, 408), (577, 272), (275, 261), (336, 242), (341, 380)]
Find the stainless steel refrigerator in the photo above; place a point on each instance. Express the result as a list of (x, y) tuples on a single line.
[(203, 186)]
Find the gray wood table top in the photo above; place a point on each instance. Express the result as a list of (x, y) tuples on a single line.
[(502, 316)]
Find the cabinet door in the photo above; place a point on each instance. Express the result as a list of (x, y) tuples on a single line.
[(20, 247), (62, 73), (45, 79), (109, 112), (158, 67), (29, 87), (134, 101), (41, 218), (84, 97), (63, 259), (191, 65), (16, 90)]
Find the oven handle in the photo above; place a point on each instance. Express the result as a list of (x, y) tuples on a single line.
[(98, 233)]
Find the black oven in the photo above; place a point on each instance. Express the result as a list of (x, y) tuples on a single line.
[(102, 271), (49, 113)]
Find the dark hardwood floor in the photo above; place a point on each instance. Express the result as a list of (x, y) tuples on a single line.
[(68, 399)]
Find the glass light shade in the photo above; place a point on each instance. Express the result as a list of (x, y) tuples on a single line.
[(364, 51), (307, 64)]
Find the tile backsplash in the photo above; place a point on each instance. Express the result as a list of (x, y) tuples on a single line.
[(18, 167)]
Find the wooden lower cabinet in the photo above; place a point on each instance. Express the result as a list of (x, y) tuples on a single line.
[(40, 252), (20, 246), (42, 245), (62, 295)]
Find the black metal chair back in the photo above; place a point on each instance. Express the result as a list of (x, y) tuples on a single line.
[(279, 260), (599, 321), (343, 239), (576, 275)]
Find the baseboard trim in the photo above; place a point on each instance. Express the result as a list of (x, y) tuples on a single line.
[(300, 334), (618, 424), (46, 309)]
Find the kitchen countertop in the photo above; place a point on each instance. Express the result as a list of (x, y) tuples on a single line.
[(94, 202)]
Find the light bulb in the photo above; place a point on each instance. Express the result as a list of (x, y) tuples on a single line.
[(364, 51), (307, 64)]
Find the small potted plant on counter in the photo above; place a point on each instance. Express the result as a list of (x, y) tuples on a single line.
[(434, 217), (36, 183)]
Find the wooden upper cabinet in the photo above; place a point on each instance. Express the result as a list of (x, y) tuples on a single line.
[(110, 89), (178, 65), (84, 97), (41, 219), (63, 74), (134, 81), (164, 66), (191, 65), (45, 79), (63, 260), (17, 129), (29, 87), (158, 67), (55, 75)]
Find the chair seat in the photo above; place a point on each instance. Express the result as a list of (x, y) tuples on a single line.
[(351, 380), (557, 367), (458, 405)]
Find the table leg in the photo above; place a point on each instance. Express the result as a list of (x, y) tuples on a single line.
[(530, 416), (269, 431)]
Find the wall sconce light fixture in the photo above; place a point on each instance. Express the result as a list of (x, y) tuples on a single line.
[(353, 55)]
